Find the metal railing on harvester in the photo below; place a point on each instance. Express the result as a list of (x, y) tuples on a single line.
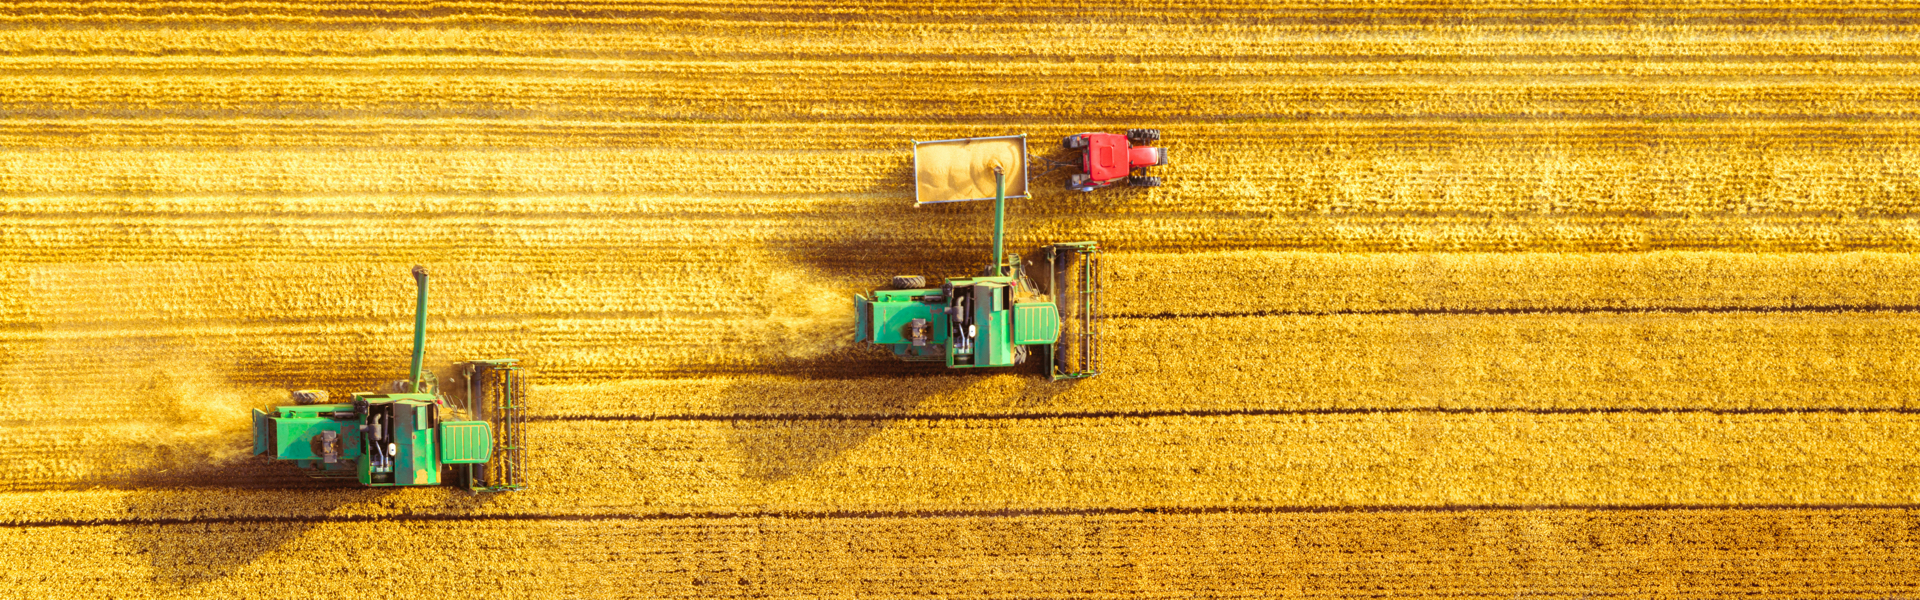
[(495, 394), (1076, 282)]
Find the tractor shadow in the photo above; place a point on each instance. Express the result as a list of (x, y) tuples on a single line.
[(809, 413)]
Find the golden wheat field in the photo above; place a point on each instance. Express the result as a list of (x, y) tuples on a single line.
[(1478, 299)]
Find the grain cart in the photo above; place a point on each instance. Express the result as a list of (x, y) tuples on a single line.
[(990, 320), (417, 433), (1106, 158)]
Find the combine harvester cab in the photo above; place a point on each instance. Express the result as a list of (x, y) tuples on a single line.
[(990, 320), (413, 435)]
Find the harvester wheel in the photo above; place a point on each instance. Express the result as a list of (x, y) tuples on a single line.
[(909, 282), (1144, 181), (1143, 136), (1073, 142)]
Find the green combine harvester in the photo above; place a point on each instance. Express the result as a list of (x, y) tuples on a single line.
[(415, 434), (990, 320)]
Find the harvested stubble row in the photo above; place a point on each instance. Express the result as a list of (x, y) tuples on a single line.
[(1420, 554), (1177, 34), (1737, 361), (812, 90), (551, 280), (664, 207), (1302, 460), (1293, 171), (837, 240), (1674, 330)]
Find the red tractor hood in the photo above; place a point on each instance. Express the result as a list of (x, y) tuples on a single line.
[(1147, 157), (1107, 156), (1110, 156)]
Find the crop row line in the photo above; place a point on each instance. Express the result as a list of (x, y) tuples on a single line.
[(957, 514), (803, 417)]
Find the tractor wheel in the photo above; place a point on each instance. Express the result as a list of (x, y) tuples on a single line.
[(909, 282), (1143, 136), (1144, 181), (1073, 142)]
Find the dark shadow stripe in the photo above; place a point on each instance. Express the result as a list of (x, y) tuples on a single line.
[(191, 327), (982, 513), (1217, 413), (1679, 310), (1149, 414)]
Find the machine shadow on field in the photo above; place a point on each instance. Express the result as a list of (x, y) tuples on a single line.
[(842, 398), (807, 412), (216, 508), (883, 238), (221, 505), (813, 411)]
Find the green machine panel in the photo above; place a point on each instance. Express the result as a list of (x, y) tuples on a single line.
[(261, 425), (1036, 323), (890, 321), (992, 348), (413, 432), (465, 442), (293, 437)]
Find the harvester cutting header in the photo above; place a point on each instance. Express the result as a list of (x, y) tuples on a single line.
[(412, 435), (990, 320)]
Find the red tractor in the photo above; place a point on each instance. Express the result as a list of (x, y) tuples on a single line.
[(1110, 157)]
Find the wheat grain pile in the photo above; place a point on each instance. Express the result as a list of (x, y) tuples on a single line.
[(1483, 299)]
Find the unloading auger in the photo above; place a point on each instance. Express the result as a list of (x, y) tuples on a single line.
[(415, 434)]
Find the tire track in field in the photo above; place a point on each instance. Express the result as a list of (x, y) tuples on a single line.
[(1251, 412), (1542, 310), (998, 513), (1494, 554)]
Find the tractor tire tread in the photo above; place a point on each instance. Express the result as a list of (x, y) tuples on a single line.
[(909, 282), (1143, 136)]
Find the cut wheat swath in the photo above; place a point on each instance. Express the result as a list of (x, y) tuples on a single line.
[(1505, 299)]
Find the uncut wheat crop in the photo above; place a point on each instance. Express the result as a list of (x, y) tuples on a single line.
[(1484, 299)]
